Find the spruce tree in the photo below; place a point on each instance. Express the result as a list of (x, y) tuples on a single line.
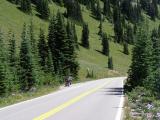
[(118, 29), (105, 44), (110, 63), (32, 38), (52, 41), (13, 66), (2, 67), (42, 49), (107, 8), (129, 34), (152, 82), (12, 50), (49, 63), (71, 58), (27, 76), (43, 9), (96, 9), (26, 6), (85, 36), (75, 36), (159, 30), (74, 10), (125, 48), (100, 28), (140, 58)]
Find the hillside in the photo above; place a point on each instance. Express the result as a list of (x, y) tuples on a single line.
[(11, 18)]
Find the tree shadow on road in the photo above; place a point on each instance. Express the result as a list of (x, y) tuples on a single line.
[(114, 91)]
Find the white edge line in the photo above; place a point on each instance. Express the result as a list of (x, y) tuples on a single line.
[(56, 92), (120, 107)]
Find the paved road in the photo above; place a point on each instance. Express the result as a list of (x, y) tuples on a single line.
[(95, 100)]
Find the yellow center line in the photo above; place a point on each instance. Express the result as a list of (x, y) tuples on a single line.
[(68, 103)]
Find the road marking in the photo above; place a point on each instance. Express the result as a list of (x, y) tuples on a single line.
[(120, 107), (68, 103)]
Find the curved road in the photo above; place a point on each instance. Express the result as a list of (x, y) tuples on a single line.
[(96, 100)]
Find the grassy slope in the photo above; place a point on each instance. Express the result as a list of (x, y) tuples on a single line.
[(11, 18)]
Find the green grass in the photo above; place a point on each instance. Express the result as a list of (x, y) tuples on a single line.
[(11, 18), (19, 97)]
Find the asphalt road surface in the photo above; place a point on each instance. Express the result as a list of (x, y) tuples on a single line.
[(94, 100)]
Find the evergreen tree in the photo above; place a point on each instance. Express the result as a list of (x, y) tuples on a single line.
[(42, 49), (75, 36), (13, 66), (118, 29), (27, 76), (43, 9), (52, 41), (159, 30), (105, 44), (125, 48), (152, 82), (85, 36), (2, 68), (49, 63), (110, 63), (100, 29), (61, 43), (96, 9), (26, 6), (71, 62), (140, 58), (74, 10), (12, 50), (107, 8), (32, 38), (129, 34)]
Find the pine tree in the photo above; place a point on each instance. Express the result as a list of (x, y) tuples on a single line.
[(61, 42), (43, 9), (74, 10), (85, 36), (75, 36), (26, 6), (71, 58), (118, 29), (125, 48), (2, 68), (27, 76), (100, 28), (110, 63), (152, 82), (49, 63), (13, 66), (32, 38), (52, 42), (107, 8), (140, 58), (42, 49), (129, 35), (159, 30), (12, 50), (105, 44), (96, 9)]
